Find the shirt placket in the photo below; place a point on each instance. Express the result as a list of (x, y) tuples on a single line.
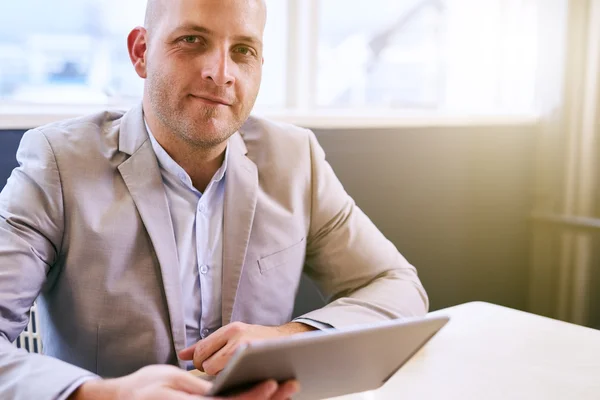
[(204, 268)]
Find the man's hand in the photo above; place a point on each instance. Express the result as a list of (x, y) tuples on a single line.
[(165, 382), (212, 354)]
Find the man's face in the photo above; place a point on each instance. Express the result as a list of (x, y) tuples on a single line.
[(204, 67)]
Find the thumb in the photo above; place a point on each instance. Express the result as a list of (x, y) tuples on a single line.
[(187, 353)]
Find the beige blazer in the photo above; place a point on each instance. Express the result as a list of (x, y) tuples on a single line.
[(84, 224)]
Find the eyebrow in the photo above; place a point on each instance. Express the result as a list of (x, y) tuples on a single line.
[(201, 29)]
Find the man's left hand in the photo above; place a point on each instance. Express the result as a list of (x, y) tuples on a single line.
[(210, 355)]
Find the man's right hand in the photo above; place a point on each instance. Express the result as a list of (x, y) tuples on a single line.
[(166, 382)]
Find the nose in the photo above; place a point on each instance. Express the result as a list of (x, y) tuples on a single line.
[(218, 68)]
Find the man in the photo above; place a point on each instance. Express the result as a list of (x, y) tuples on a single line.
[(176, 231)]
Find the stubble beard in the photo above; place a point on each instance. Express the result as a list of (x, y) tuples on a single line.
[(192, 126)]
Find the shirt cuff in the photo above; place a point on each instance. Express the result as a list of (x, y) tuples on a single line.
[(315, 324), (72, 387)]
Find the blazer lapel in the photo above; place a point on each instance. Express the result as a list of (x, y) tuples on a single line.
[(142, 176), (241, 187)]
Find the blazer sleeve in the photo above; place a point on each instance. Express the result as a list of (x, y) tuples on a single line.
[(31, 229), (361, 272)]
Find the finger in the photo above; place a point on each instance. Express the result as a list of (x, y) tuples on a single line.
[(259, 392), (187, 383), (187, 353), (215, 363), (286, 390), (209, 346)]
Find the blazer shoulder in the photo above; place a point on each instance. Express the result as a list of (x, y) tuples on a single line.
[(263, 129), (99, 131), (275, 141)]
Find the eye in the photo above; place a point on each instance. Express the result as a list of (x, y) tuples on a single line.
[(244, 50), (190, 39)]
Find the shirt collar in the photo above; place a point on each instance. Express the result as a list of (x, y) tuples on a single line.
[(171, 166)]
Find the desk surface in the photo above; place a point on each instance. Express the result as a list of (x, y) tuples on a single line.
[(491, 352)]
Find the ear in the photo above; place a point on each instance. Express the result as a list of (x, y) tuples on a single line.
[(137, 44)]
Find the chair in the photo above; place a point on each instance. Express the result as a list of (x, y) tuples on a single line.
[(30, 339)]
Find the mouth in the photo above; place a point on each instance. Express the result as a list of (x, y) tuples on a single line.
[(211, 100)]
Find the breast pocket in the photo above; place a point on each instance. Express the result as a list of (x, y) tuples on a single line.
[(293, 255)]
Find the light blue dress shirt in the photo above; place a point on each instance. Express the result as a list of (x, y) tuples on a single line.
[(198, 227)]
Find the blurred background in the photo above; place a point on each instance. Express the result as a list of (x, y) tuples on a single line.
[(448, 55), (466, 129)]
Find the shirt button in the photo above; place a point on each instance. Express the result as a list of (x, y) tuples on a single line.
[(205, 332), (202, 208), (182, 177), (204, 269)]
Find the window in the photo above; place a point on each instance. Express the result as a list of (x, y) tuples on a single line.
[(67, 52), (447, 56), (390, 57), (451, 55), (79, 55)]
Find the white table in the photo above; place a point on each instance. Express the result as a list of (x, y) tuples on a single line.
[(488, 352)]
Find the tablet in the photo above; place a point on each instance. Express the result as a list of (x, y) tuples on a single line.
[(329, 363)]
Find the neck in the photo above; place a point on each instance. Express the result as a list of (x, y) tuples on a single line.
[(200, 163)]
